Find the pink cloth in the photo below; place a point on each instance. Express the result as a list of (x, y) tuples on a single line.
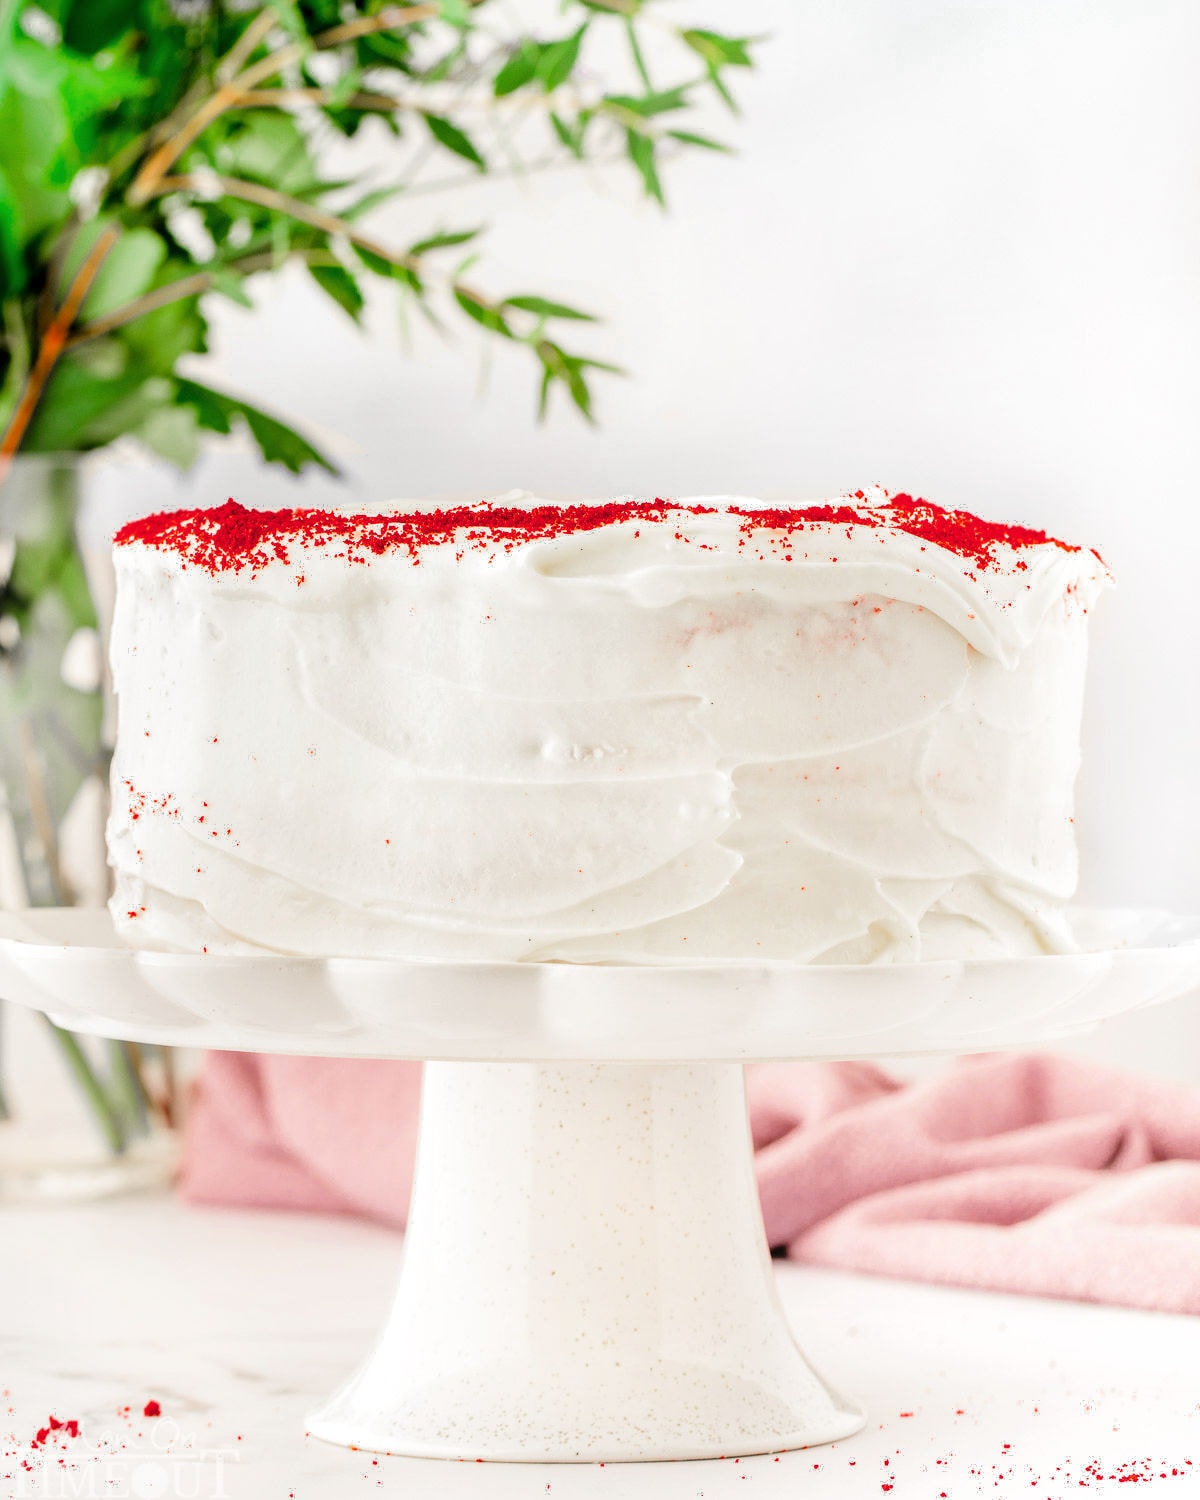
[(1032, 1174)]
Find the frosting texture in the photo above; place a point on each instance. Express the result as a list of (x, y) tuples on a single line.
[(638, 731)]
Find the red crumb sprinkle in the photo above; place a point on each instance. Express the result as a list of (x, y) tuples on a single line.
[(232, 538), (151, 1409), (68, 1429)]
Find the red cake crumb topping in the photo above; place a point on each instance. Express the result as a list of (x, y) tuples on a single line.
[(232, 538)]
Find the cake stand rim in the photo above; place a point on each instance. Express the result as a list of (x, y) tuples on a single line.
[(472, 1010)]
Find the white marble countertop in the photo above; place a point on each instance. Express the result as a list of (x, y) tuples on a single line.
[(235, 1323)]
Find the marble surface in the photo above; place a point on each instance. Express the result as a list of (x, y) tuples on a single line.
[(235, 1323)]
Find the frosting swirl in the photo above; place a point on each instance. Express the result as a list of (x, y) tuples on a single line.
[(637, 731)]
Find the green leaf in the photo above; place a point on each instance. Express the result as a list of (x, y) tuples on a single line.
[(214, 411), (442, 240), (635, 48), (545, 309), (482, 312), (362, 206), (16, 339), (454, 139), (77, 405), (107, 358), (690, 138), (391, 49), (719, 84), (718, 50), (342, 88), (379, 264), (173, 432), (268, 146), (230, 284), (95, 24), (35, 176), (84, 84), (572, 139), (12, 269), (558, 59), (127, 271), (290, 19), (519, 68), (455, 13), (162, 336), (445, 64), (557, 364), (277, 443), (659, 103), (341, 286), (280, 444), (641, 154)]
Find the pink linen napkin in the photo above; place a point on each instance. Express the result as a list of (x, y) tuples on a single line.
[(1033, 1174)]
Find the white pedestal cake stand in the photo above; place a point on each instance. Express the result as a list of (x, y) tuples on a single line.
[(585, 1272)]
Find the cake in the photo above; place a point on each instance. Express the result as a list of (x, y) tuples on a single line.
[(656, 731)]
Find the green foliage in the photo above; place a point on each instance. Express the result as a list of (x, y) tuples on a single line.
[(154, 123), (339, 284), (279, 444), (449, 135), (128, 271), (544, 309)]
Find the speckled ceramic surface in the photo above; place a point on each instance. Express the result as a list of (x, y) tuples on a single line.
[(619, 1302)]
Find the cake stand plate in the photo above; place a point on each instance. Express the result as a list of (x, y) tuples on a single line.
[(585, 1271)]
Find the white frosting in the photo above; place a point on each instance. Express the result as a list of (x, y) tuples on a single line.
[(642, 742)]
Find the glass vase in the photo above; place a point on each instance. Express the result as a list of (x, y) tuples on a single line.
[(78, 1116)]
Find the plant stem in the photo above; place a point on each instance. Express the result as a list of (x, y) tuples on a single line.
[(227, 96), (162, 296), (188, 286), (17, 342), (393, 19), (294, 208), (277, 98), (51, 347), (128, 1091), (170, 1099), (106, 1116), (58, 255), (239, 54), (39, 811)]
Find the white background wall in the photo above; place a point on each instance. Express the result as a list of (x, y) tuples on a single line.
[(959, 253)]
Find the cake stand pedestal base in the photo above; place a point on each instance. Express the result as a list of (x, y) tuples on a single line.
[(585, 1278)]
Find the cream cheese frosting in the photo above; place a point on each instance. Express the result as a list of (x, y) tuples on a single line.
[(632, 732)]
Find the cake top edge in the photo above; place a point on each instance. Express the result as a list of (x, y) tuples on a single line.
[(233, 538)]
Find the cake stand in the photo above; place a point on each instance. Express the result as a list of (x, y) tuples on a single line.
[(585, 1271)]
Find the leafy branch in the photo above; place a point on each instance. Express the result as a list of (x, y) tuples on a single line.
[(156, 153), (52, 344)]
